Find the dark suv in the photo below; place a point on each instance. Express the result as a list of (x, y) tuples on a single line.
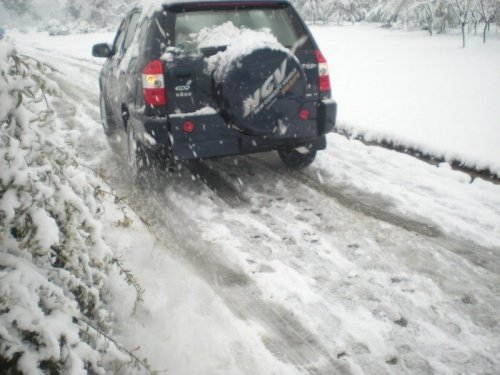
[(195, 80)]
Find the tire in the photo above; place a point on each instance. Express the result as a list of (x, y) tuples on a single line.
[(297, 158), (108, 125), (138, 159), (260, 91)]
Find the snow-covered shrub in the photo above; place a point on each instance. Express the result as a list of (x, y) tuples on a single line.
[(53, 259), (55, 28)]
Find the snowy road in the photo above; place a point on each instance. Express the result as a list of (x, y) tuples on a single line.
[(369, 262)]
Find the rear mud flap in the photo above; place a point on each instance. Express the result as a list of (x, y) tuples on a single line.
[(327, 116), (316, 145)]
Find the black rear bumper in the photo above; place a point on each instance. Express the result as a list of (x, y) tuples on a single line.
[(213, 137)]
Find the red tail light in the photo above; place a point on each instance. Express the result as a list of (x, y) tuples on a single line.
[(304, 114), (324, 74), (188, 126), (153, 84)]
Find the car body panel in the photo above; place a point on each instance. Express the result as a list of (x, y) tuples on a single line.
[(189, 90)]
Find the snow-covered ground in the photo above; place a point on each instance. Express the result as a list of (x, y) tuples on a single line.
[(416, 91), (74, 45), (369, 262)]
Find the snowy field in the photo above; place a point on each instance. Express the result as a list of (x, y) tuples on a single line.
[(416, 91), (370, 262)]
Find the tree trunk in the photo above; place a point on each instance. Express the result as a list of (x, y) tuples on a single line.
[(430, 19), (463, 35), (484, 31)]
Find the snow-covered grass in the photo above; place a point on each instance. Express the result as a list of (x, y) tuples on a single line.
[(416, 91)]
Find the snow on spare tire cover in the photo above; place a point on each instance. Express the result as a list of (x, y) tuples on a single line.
[(262, 88)]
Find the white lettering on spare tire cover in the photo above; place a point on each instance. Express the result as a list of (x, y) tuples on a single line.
[(269, 90)]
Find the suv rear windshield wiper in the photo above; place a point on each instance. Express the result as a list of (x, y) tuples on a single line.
[(209, 51)]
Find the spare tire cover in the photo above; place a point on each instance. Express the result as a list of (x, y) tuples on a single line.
[(262, 91)]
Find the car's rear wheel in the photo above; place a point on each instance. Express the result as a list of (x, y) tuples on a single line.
[(107, 122), (109, 126), (297, 157)]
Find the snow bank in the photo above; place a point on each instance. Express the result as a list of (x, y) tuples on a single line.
[(458, 204)]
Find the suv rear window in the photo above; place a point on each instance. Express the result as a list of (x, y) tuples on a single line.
[(279, 22)]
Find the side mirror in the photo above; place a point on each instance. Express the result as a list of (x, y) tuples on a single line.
[(102, 50)]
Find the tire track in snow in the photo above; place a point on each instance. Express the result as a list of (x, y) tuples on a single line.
[(454, 278), (380, 208), (374, 206), (222, 187), (284, 335)]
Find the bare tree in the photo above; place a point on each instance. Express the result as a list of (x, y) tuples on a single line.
[(309, 10), (462, 10), (475, 17), (428, 8), (391, 11), (325, 9), (361, 8), (488, 9)]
